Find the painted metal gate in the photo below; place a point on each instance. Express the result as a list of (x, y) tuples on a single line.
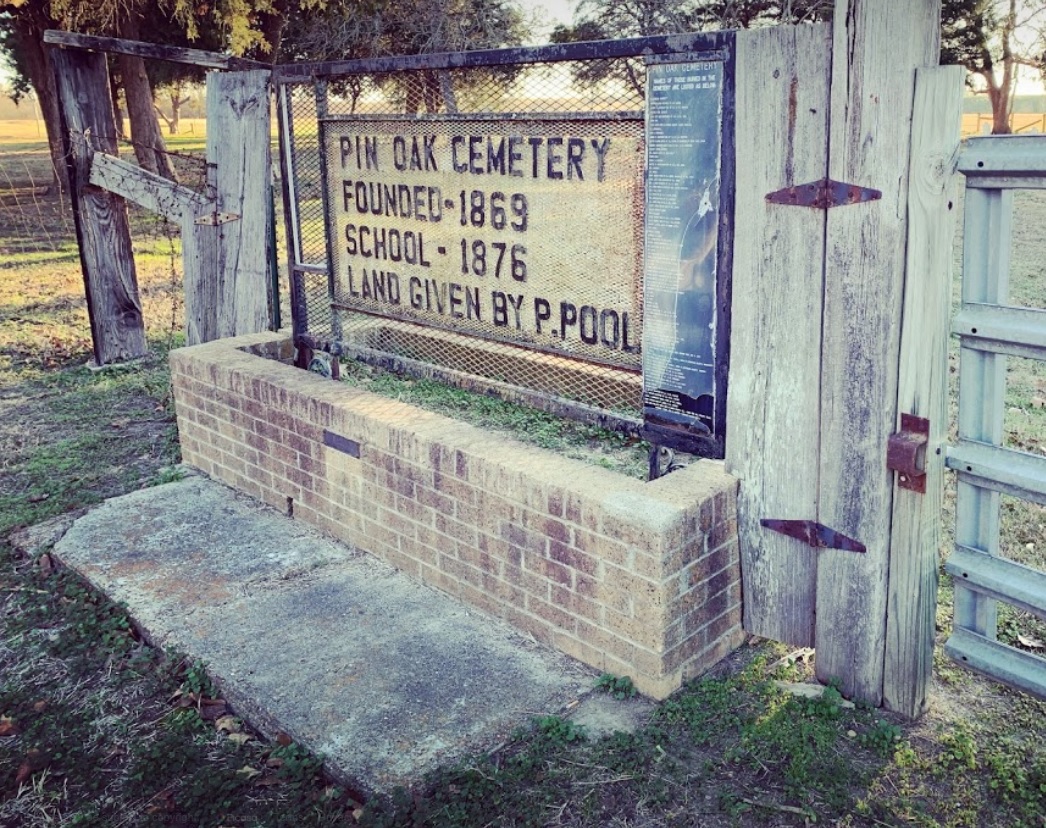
[(993, 328)]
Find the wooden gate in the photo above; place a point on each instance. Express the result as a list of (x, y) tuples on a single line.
[(991, 328), (836, 553)]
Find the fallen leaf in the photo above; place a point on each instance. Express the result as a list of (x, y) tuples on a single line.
[(46, 564), (228, 724), (239, 738), (8, 727), (274, 762), (120, 423), (212, 709), (1038, 402), (247, 772), (357, 814), (38, 498), (35, 760), (268, 781), (282, 739), (40, 706), (1029, 642)]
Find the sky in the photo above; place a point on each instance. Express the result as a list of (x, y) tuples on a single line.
[(550, 13)]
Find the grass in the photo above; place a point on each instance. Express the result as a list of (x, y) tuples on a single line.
[(598, 446), (97, 728)]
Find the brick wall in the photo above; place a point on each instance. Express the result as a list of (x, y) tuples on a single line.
[(633, 578)]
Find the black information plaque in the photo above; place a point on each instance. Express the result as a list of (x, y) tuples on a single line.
[(684, 138)]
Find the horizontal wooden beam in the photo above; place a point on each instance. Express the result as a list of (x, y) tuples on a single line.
[(174, 54), (703, 42), (151, 191)]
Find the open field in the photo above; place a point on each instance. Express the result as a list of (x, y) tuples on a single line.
[(98, 729)]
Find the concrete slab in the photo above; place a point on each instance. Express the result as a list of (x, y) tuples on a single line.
[(383, 676)]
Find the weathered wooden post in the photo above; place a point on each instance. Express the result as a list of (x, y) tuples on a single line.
[(831, 558), (100, 217), (877, 48), (225, 231), (238, 154), (911, 609)]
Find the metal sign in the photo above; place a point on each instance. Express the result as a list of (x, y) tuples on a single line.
[(518, 230), (684, 126)]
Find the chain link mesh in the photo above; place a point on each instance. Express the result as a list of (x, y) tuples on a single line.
[(591, 242)]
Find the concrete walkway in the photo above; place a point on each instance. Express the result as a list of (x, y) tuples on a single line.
[(384, 677)]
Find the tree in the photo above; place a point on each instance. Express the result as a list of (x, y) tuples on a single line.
[(356, 29), (992, 39), (607, 19), (23, 25)]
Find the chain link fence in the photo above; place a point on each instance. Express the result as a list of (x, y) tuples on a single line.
[(504, 239)]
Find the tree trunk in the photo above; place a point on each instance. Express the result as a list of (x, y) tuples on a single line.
[(30, 24), (114, 94), (149, 147), (1001, 104), (176, 105)]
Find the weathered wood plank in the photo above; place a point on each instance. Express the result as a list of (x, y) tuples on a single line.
[(923, 385), (146, 189), (238, 148), (877, 47), (775, 363), (175, 54), (103, 233)]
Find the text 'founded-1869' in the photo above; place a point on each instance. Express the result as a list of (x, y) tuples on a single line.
[(520, 231)]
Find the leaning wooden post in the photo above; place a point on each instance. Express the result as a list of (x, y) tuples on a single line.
[(877, 48), (100, 218), (238, 158), (923, 388)]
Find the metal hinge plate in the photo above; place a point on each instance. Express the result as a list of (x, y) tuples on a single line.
[(823, 194), (216, 218), (814, 534), (906, 452)]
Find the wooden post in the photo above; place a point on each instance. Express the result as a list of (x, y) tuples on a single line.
[(773, 417), (238, 153), (877, 48), (923, 385), (102, 230)]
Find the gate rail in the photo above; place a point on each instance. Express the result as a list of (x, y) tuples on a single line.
[(989, 330)]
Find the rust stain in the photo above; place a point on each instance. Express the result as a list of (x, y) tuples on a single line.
[(793, 105)]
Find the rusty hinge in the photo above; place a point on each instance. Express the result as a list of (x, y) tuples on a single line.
[(814, 534), (906, 452), (216, 218), (823, 194)]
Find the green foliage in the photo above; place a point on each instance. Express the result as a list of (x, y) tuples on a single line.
[(882, 737), (197, 681), (559, 731), (1018, 779), (959, 751), (620, 687), (297, 765)]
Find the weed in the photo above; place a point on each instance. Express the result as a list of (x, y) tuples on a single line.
[(559, 731), (959, 751), (620, 687), (882, 738), (296, 765), (196, 681)]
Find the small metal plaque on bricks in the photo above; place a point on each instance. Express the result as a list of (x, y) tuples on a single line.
[(342, 444)]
